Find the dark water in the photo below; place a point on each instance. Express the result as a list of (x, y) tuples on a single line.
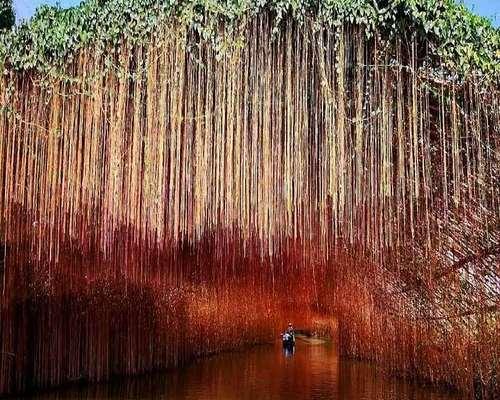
[(265, 372)]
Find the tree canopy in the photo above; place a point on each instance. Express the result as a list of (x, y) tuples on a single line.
[(7, 17), (464, 41)]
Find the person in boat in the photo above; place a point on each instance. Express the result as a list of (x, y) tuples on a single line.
[(290, 331)]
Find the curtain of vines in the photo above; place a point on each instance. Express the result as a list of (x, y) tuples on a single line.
[(178, 195)]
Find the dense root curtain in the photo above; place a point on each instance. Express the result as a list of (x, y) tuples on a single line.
[(180, 200)]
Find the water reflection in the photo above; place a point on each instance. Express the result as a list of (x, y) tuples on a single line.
[(288, 351), (266, 372)]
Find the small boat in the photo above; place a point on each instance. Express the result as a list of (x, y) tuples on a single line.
[(288, 340)]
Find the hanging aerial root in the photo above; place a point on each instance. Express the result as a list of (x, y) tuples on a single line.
[(183, 201)]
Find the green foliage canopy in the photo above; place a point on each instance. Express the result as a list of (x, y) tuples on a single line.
[(7, 17), (465, 42)]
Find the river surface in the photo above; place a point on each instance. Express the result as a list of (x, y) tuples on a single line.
[(313, 371)]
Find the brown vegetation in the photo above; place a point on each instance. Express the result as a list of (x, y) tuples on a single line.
[(184, 202)]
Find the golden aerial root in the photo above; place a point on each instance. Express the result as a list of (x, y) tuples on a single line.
[(184, 201)]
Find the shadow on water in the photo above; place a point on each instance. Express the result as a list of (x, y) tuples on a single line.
[(312, 371)]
